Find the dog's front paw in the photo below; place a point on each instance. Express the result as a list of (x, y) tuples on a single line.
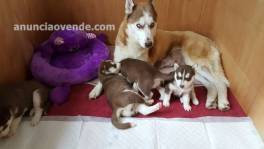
[(166, 103), (195, 101), (150, 102), (211, 105), (34, 121), (159, 105), (187, 108), (223, 106), (94, 94)]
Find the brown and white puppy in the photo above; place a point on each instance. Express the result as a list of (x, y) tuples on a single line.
[(143, 76), (18, 98), (139, 38), (123, 100), (181, 86)]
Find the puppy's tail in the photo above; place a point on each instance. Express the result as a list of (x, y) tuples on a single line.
[(117, 123)]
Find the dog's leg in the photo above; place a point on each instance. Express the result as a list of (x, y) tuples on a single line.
[(223, 103), (145, 89), (96, 91), (211, 92), (162, 93), (14, 125), (166, 98), (195, 101), (38, 111), (186, 102), (146, 110)]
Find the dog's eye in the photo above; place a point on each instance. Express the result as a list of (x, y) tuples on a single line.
[(139, 26), (152, 25)]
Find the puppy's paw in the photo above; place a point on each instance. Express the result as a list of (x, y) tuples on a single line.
[(166, 103), (211, 105), (187, 108), (150, 102), (195, 101), (223, 106), (93, 94), (158, 105), (34, 122)]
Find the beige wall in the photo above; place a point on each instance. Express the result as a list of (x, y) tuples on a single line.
[(239, 30), (236, 25), (16, 47)]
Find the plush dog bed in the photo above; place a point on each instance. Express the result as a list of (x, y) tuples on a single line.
[(67, 58)]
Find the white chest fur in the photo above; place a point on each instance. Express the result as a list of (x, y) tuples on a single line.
[(177, 90), (131, 50)]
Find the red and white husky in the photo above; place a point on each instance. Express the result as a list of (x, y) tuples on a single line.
[(139, 38)]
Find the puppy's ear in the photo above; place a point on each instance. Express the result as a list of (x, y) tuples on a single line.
[(175, 66), (129, 6)]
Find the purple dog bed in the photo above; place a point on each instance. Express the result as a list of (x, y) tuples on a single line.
[(72, 59)]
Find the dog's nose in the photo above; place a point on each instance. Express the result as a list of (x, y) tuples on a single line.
[(148, 44), (181, 86)]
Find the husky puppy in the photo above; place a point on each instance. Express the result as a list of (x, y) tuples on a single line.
[(16, 99), (143, 76), (123, 100), (181, 86)]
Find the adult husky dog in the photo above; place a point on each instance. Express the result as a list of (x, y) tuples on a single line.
[(139, 38)]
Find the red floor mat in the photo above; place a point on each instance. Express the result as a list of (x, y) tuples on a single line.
[(79, 104)]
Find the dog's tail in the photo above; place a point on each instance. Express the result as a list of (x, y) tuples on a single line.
[(117, 123)]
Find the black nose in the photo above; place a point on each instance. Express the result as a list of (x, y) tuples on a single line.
[(181, 86), (148, 44)]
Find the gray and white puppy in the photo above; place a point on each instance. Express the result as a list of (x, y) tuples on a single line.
[(18, 98), (181, 86), (144, 76), (121, 96)]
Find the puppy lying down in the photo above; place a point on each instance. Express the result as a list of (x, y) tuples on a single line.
[(16, 100), (123, 100), (143, 76)]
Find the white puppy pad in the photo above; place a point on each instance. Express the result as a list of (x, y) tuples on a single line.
[(150, 133), (101, 135), (233, 135), (47, 135)]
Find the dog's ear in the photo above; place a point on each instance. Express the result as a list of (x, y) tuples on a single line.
[(175, 66), (129, 6)]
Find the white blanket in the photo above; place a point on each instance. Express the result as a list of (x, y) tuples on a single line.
[(150, 133)]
